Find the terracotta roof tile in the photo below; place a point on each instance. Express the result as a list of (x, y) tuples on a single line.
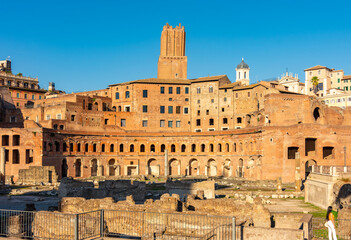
[(316, 68), (156, 81)]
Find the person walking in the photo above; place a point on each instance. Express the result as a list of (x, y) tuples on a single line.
[(331, 224)]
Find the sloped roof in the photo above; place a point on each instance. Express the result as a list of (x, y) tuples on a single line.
[(230, 85), (316, 68), (347, 77), (156, 81), (209, 78)]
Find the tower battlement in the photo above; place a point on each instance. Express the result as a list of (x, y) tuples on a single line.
[(172, 62)]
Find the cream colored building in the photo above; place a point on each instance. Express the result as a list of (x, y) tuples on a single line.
[(292, 82), (328, 78)]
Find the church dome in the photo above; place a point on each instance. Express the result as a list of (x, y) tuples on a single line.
[(242, 65)]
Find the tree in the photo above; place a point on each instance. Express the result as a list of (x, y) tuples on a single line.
[(315, 82), (20, 74)]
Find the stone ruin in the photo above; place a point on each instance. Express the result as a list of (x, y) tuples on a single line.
[(202, 189), (37, 175), (117, 190)]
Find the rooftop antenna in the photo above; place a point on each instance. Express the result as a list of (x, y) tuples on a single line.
[(8, 58)]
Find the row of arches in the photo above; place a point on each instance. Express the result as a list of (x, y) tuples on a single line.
[(176, 167), (151, 148)]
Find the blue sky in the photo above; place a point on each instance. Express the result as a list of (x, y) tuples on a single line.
[(87, 45)]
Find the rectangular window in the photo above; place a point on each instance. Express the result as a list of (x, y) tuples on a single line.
[(178, 124), (346, 88), (207, 112), (225, 120), (73, 117), (346, 81), (187, 99), (170, 90), (178, 90), (198, 112), (58, 116), (186, 90), (117, 95), (127, 94), (248, 94), (198, 90), (236, 95), (144, 123), (198, 122), (170, 124), (144, 108), (338, 80), (123, 122), (17, 95), (39, 97), (48, 117), (162, 123), (33, 97), (186, 110), (25, 96), (144, 93), (162, 90), (177, 109), (162, 109), (170, 109)]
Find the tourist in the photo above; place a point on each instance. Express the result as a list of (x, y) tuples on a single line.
[(330, 224)]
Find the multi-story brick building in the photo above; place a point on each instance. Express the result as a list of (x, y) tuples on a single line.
[(171, 125)]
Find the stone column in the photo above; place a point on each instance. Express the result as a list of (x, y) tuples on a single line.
[(2, 165), (166, 163)]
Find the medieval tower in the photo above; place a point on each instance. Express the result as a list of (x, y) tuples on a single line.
[(172, 62)]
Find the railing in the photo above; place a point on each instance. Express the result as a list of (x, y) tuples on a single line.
[(18, 77), (115, 223), (330, 170), (343, 228)]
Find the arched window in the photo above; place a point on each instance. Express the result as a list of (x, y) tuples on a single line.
[(152, 148), (211, 147), (203, 147), (78, 166), (219, 147), (119, 108), (131, 148), (227, 147), (244, 75), (234, 147), (210, 89), (86, 147), (173, 148), (71, 147), (121, 148), (103, 148), (94, 147), (183, 148), (112, 148), (193, 147), (239, 75), (163, 148), (61, 127), (142, 148), (211, 121), (78, 147), (55, 126), (127, 94)]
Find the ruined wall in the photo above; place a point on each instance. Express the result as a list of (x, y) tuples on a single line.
[(118, 190), (183, 188), (36, 175)]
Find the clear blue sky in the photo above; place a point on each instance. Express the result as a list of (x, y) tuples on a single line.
[(87, 45)]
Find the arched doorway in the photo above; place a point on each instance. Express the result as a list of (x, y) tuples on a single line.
[(240, 172), (194, 167), (211, 168), (174, 167), (111, 167), (153, 168), (94, 167), (78, 166), (227, 170), (308, 167), (64, 168)]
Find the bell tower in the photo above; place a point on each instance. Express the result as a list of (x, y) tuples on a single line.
[(172, 62), (243, 73)]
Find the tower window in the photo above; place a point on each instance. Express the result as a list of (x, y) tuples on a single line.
[(162, 90), (170, 90), (144, 93)]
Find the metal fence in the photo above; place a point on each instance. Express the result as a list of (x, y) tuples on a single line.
[(115, 223), (343, 228)]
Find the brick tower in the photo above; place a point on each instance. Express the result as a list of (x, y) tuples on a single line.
[(172, 62)]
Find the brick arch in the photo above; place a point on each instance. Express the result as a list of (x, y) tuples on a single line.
[(174, 167)]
